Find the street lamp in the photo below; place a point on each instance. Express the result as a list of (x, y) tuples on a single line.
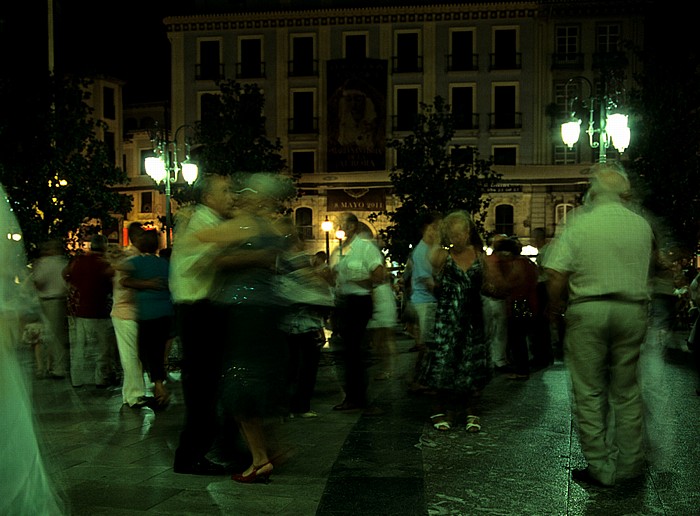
[(163, 167), (340, 235), (327, 226), (612, 125)]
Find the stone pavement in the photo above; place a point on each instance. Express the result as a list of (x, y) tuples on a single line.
[(108, 459)]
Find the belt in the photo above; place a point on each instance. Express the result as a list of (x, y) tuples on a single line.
[(620, 298)]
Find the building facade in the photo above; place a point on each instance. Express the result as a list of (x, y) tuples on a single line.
[(340, 83)]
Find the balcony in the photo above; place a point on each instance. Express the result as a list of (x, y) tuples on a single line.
[(609, 60), (302, 68), (505, 120), (407, 64), (466, 122), (505, 61), (205, 72), (255, 70), (462, 62), (567, 61), (302, 125)]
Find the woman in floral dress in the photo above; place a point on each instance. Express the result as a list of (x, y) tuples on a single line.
[(458, 365)]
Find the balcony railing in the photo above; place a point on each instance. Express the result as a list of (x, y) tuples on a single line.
[(209, 72), (466, 122), (567, 61), (251, 70), (462, 62), (302, 125), (407, 64), (302, 68), (506, 61), (505, 120)]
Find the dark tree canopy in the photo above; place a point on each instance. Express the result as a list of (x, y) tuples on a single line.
[(57, 173), (434, 175)]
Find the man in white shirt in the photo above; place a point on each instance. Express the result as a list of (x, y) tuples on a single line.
[(357, 271), (199, 323), (603, 258)]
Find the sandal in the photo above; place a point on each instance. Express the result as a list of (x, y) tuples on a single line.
[(473, 424), (441, 423)]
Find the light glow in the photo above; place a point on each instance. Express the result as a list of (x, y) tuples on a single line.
[(570, 132)]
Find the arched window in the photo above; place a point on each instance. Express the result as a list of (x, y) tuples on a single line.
[(560, 212), (303, 220), (504, 219)]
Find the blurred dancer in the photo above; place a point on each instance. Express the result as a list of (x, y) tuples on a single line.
[(603, 258), (25, 488), (255, 358)]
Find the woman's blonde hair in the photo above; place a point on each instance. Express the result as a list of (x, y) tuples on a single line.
[(465, 220)]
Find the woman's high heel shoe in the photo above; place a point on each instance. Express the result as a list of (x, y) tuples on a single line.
[(254, 476)]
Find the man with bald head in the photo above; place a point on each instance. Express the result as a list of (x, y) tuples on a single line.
[(603, 258)]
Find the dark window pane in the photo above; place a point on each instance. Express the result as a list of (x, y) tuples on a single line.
[(355, 46)]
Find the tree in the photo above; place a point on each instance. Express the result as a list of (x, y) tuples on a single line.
[(432, 174), (58, 174), (232, 137), (665, 150)]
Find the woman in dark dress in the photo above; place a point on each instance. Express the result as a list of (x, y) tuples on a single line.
[(457, 365), (253, 384)]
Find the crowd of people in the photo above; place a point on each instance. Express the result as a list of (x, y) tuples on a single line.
[(249, 306)]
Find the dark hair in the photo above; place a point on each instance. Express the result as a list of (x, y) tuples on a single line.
[(507, 245), (148, 242), (203, 185), (98, 243)]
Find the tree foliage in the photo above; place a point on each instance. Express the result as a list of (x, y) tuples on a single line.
[(665, 151), (231, 138), (432, 174), (57, 173)]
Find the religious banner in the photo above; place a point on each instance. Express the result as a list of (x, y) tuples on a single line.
[(357, 199), (356, 114)]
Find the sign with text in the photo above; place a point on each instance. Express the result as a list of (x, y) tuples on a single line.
[(357, 199)]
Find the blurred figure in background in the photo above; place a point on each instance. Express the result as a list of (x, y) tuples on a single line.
[(495, 319), (382, 327), (93, 345), (25, 487), (603, 259), (53, 293)]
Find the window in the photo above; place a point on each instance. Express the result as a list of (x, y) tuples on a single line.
[(145, 153), (111, 147), (303, 162), (303, 220), (109, 107), (561, 211), (355, 46), (146, 202), (607, 38), (462, 155), (250, 63), (302, 61), (504, 219), (566, 45), (209, 106), (303, 120), (505, 45), (407, 58), (564, 93), (505, 115), (505, 155), (462, 102), (209, 59), (462, 56), (406, 103)]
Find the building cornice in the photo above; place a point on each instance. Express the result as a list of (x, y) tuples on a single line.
[(352, 16)]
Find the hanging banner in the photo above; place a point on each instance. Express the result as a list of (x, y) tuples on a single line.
[(357, 199), (356, 114)]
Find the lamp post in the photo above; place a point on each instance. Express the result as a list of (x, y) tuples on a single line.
[(612, 125), (327, 226), (164, 168), (340, 235)]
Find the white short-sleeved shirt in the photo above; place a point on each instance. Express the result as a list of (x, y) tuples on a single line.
[(191, 264), (359, 259), (607, 250)]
